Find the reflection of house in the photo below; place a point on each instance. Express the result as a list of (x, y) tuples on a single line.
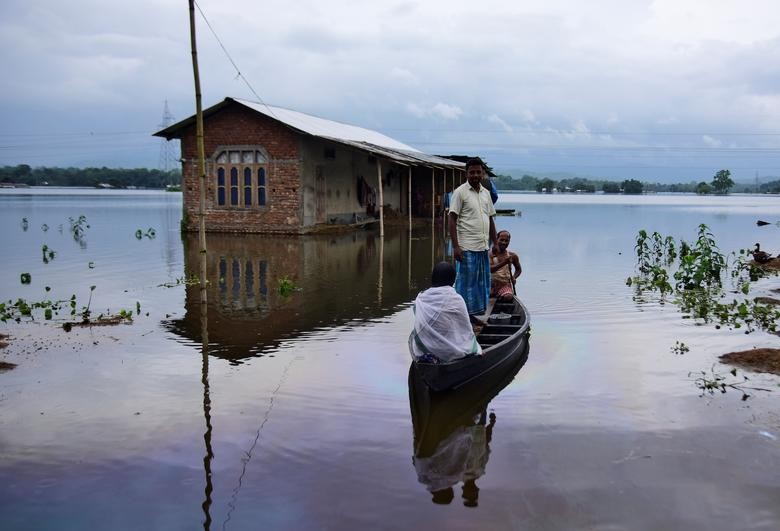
[(341, 278), (271, 169)]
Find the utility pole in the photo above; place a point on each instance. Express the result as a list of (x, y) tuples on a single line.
[(201, 171), (169, 149), (201, 163)]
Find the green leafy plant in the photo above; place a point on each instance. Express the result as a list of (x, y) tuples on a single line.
[(192, 280), (680, 348), (698, 281), (25, 278), (712, 382), (286, 286), (150, 233), (78, 227), (48, 253)]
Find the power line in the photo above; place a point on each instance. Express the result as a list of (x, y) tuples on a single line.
[(599, 133), (238, 72)]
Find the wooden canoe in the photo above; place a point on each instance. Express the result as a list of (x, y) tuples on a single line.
[(503, 339), (435, 414)]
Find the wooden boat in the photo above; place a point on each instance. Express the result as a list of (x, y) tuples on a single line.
[(435, 414), (503, 339)]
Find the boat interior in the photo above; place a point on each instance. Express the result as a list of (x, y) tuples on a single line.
[(502, 319)]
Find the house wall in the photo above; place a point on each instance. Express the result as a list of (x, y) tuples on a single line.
[(341, 170), (237, 126), (338, 195)]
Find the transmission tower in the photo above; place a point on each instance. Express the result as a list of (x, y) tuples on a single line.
[(169, 149)]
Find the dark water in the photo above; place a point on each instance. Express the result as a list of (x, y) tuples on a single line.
[(303, 413)]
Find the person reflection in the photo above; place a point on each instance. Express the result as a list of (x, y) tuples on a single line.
[(462, 456), (453, 432)]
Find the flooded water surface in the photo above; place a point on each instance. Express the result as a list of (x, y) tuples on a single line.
[(275, 410)]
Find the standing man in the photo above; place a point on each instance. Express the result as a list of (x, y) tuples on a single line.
[(472, 228)]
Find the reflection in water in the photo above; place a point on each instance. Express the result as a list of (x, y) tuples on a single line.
[(340, 278), (452, 433), (209, 456)]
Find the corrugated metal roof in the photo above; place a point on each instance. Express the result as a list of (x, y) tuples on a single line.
[(351, 135), (317, 126)]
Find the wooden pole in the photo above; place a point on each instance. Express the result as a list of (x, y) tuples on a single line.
[(410, 199), (453, 180), (201, 171), (381, 198), (201, 163), (433, 195)]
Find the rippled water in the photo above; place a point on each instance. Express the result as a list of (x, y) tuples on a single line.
[(301, 414)]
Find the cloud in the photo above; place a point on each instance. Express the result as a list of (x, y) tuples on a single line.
[(496, 119), (711, 142), (442, 111), (403, 76), (548, 74), (446, 112)]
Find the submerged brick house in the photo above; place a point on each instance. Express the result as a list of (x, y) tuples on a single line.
[(274, 170)]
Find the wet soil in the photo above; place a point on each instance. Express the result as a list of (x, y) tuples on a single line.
[(767, 300), (771, 265), (757, 359)]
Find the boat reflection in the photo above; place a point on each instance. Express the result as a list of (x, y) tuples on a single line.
[(339, 279), (453, 431)]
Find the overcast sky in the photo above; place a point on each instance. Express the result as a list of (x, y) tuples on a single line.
[(658, 90)]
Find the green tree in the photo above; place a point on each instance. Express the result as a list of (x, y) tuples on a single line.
[(703, 188), (632, 186), (722, 182), (611, 188), (545, 185), (528, 182)]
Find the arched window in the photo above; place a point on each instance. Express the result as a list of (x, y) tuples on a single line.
[(238, 165)]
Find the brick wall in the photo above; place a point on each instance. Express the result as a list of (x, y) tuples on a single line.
[(236, 125)]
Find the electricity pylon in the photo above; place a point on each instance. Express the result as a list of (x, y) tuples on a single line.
[(169, 149)]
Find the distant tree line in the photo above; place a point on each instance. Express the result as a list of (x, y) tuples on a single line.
[(721, 183), (115, 177)]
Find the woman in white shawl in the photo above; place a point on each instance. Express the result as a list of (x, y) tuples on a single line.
[(442, 330)]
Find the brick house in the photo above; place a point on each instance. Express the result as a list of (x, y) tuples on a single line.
[(275, 170)]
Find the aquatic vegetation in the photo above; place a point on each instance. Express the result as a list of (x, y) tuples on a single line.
[(48, 253), (25, 224), (695, 283), (21, 308), (25, 278), (186, 281), (150, 233), (286, 286), (78, 228), (712, 382), (44, 227), (85, 312), (680, 348)]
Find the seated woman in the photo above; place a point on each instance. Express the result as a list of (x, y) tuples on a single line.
[(502, 279), (442, 330)]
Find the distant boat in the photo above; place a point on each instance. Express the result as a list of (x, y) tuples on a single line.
[(506, 212)]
